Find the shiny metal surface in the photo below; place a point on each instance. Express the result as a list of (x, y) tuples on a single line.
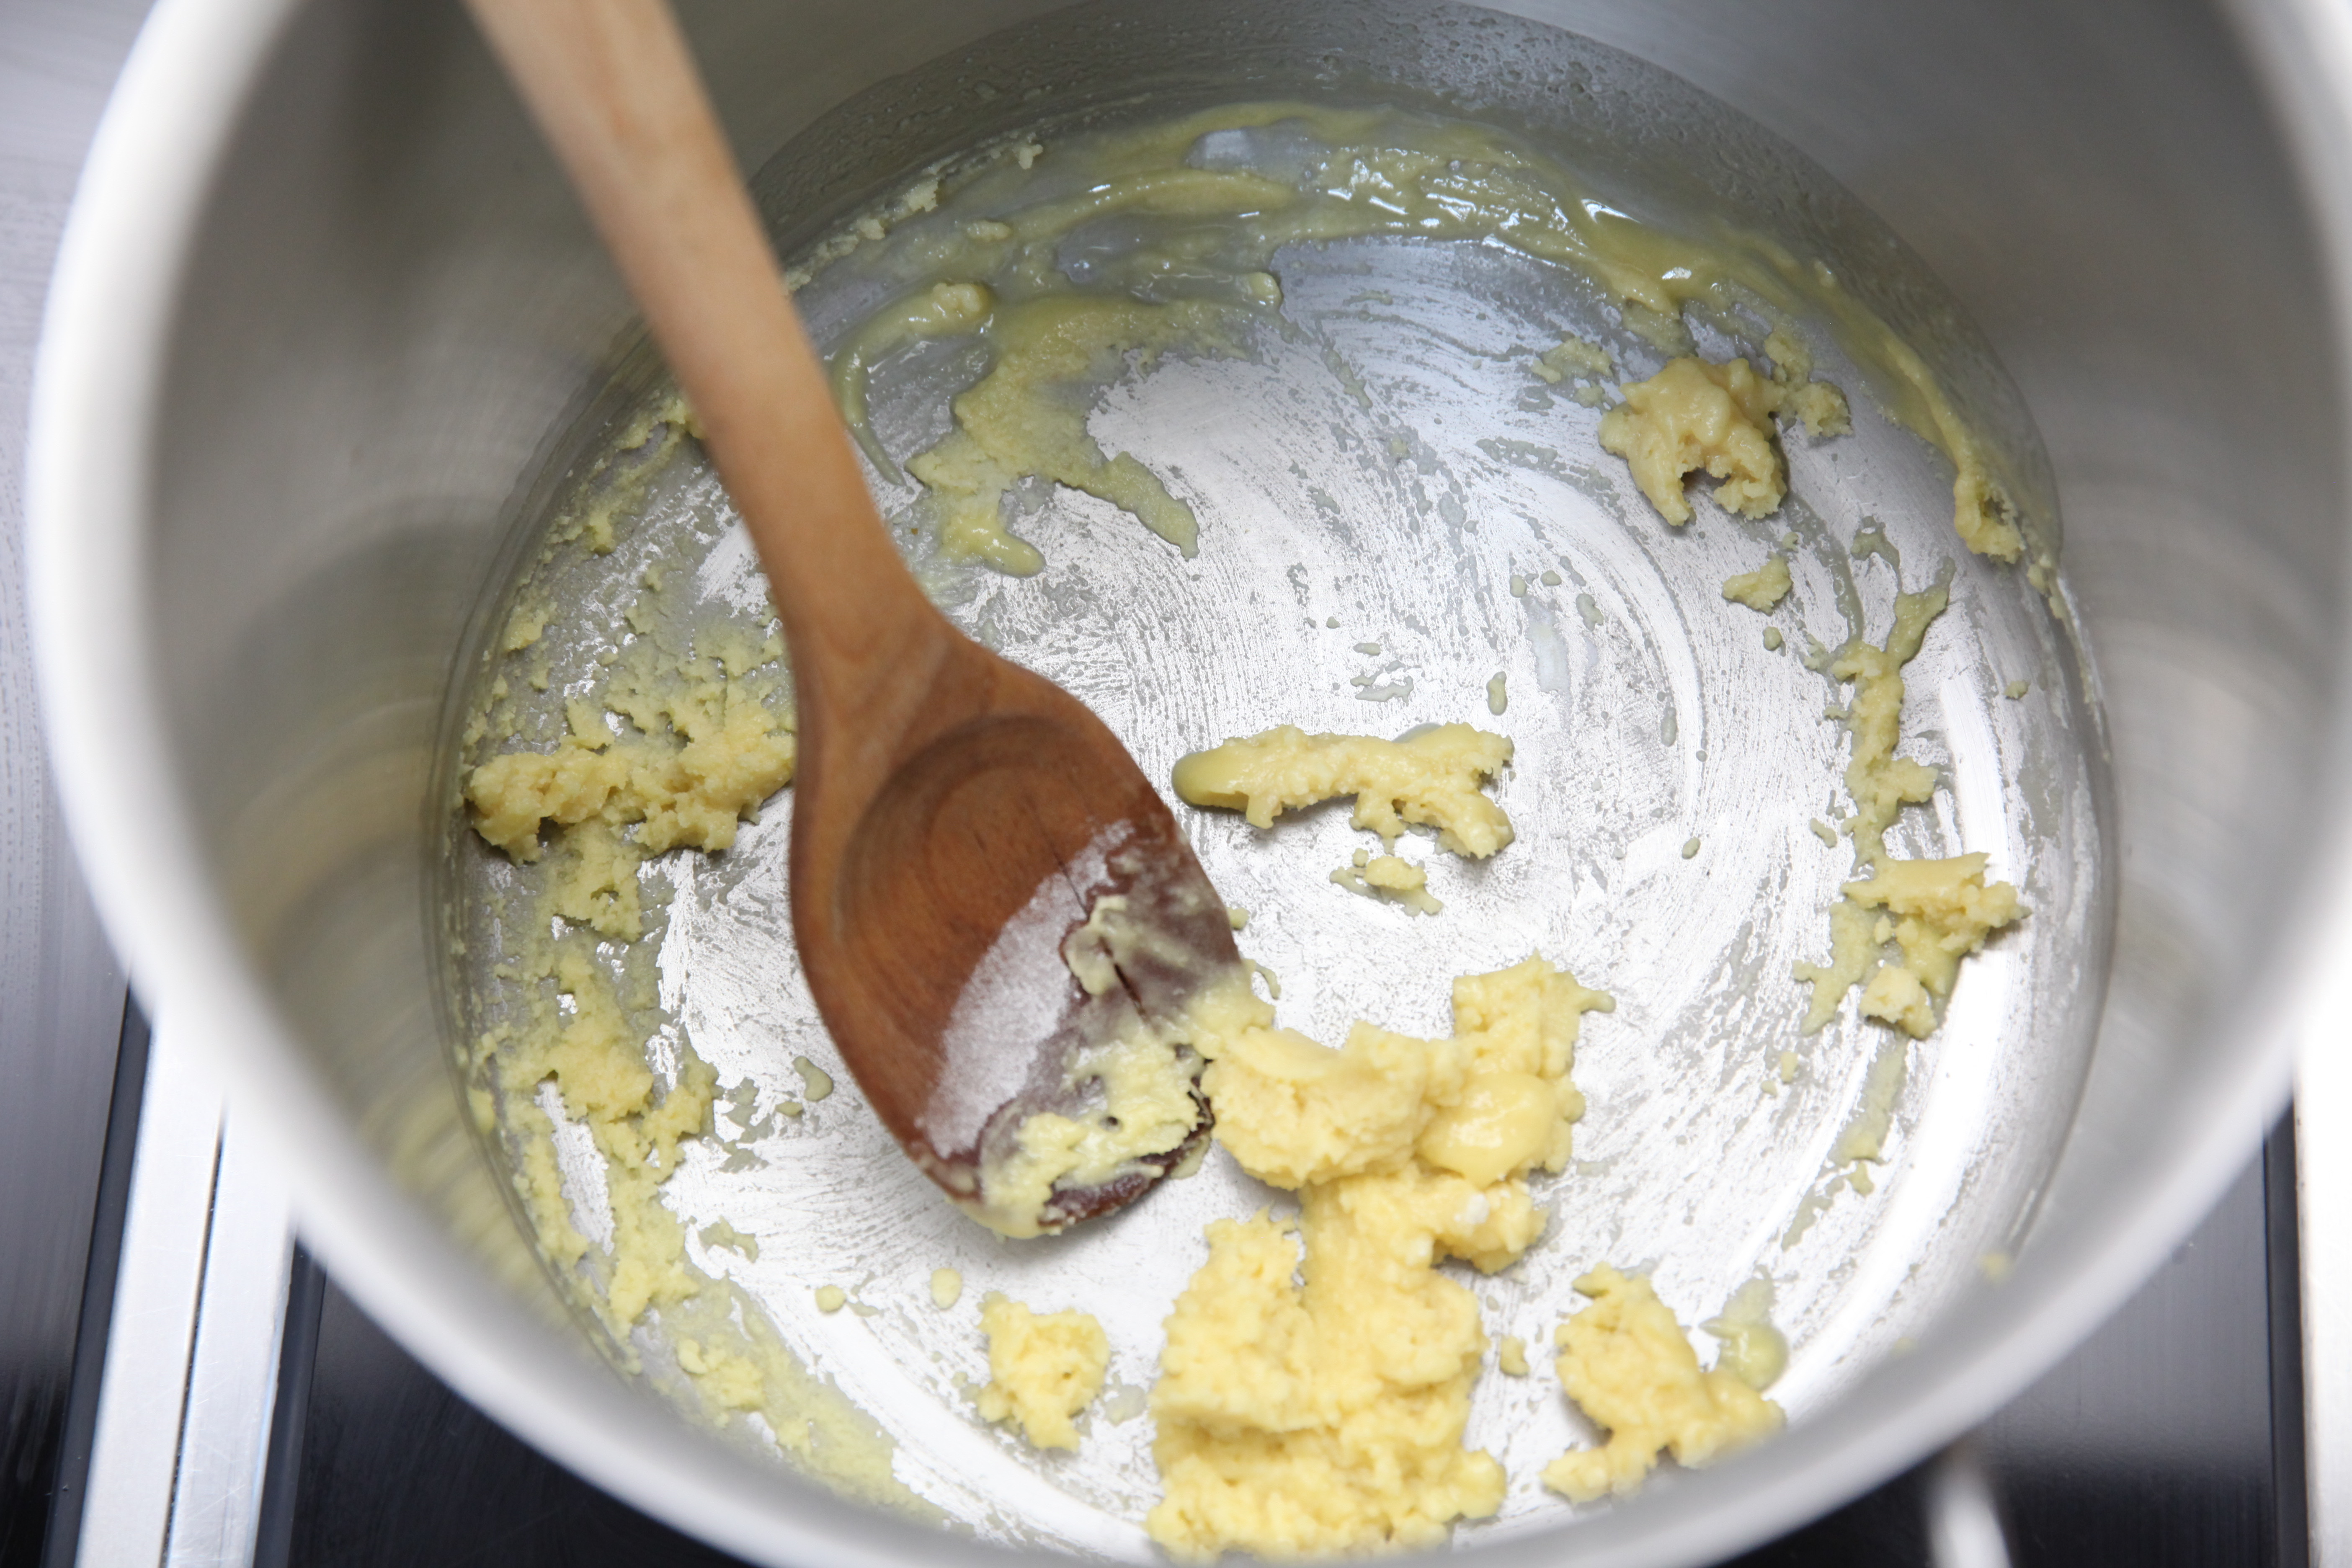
[(1964, 1527), (2323, 1098), (339, 366), (233, 1363), (126, 1514), (190, 1377), (2324, 1175)]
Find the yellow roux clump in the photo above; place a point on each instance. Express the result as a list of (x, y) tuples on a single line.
[(1585, 362), (1042, 1368), (1935, 911), (1943, 911), (1693, 416), (1754, 1352), (1378, 876), (1308, 1419), (1430, 778), (1761, 589), (1628, 1366), (705, 747), (947, 1288)]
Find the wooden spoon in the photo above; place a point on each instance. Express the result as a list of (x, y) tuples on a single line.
[(956, 819)]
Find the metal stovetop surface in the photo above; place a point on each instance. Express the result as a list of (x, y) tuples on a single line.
[(244, 1410)]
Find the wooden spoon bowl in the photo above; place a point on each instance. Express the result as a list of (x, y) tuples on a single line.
[(938, 918)]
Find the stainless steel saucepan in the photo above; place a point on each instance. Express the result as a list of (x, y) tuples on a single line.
[(329, 334)]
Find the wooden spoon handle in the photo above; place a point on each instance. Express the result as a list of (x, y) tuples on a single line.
[(616, 94)]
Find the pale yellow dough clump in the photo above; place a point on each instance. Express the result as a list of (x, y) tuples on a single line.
[(1042, 1368), (599, 1066), (1378, 876), (1573, 356), (1694, 416), (705, 747), (714, 753), (947, 1288), (1880, 783), (1306, 1420), (1761, 589), (1430, 778), (1629, 1366), (1585, 362), (1935, 911), (1943, 911), (1754, 1351)]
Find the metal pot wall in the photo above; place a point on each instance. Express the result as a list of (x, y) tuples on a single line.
[(326, 309)]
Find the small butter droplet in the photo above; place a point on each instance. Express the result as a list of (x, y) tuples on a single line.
[(1238, 917), (1497, 700), (1518, 586), (947, 1288), (816, 1082), (1511, 1356), (1588, 609), (1789, 1066), (1825, 833), (1690, 849), (1773, 639), (830, 1297), (1332, 622), (1551, 579), (2017, 688), (1368, 648)]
